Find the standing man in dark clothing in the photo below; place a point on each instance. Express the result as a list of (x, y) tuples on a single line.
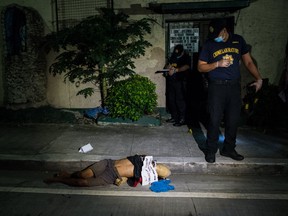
[(179, 67), (220, 58)]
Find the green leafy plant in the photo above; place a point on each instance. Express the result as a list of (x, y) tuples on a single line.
[(132, 98), (99, 50)]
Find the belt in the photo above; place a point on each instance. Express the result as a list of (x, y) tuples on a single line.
[(225, 82)]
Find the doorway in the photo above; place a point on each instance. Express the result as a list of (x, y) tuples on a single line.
[(24, 62), (192, 34)]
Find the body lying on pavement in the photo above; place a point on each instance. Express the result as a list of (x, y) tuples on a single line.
[(109, 171)]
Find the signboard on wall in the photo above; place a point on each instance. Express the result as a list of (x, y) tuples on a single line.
[(184, 33)]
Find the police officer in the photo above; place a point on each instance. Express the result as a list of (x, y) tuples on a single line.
[(179, 67), (220, 58)]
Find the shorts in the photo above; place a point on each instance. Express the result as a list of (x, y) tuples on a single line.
[(104, 173)]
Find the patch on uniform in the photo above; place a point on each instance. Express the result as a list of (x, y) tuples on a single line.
[(235, 42), (229, 57)]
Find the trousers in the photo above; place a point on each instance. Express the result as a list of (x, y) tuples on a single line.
[(104, 173), (176, 96), (224, 103)]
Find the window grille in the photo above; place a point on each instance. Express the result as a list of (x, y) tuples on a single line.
[(71, 12), (185, 33)]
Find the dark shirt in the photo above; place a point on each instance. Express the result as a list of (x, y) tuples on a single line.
[(232, 49), (179, 62), (137, 161)]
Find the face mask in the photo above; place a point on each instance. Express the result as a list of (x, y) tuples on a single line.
[(219, 39)]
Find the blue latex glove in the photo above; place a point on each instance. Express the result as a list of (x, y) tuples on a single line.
[(161, 186)]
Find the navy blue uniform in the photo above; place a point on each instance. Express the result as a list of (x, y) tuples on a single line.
[(233, 49), (224, 90), (176, 87)]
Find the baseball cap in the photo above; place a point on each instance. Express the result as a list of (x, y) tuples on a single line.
[(215, 27)]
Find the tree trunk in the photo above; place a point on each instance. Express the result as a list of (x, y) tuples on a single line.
[(103, 86)]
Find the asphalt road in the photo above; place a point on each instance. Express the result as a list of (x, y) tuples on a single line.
[(24, 193)]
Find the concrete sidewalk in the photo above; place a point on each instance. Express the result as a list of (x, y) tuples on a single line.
[(56, 146)]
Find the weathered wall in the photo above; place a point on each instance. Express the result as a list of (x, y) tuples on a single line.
[(264, 25), (25, 77), (25, 65)]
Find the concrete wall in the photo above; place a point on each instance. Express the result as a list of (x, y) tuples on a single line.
[(264, 25), (44, 9)]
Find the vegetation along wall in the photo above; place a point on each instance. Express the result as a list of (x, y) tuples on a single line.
[(263, 24)]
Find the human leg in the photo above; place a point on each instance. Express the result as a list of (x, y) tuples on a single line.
[(91, 171), (86, 173), (95, 174), (172, 101), (180, 102), (105, 173), (216, 104), (232, 115), (79, 182), (89, 176)]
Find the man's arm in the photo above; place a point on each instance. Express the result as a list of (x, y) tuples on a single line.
[(249, 64), (173, 70), (183, 68), (204, 67)]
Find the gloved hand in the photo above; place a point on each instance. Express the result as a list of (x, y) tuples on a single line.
[(258, 84), (161, 186), (223, 63)]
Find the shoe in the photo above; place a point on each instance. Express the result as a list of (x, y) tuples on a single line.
[(234, 155), (210, 157), (180, 123), (171, 120)]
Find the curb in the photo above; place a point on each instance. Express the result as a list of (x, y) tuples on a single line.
[(250, 166), (148, 121)]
